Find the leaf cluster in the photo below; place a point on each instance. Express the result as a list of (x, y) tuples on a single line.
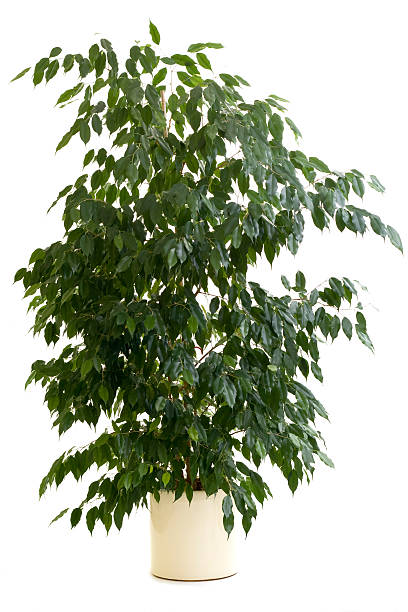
[(199, 370)]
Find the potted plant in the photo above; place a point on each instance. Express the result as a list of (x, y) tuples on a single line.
[(201, 373)]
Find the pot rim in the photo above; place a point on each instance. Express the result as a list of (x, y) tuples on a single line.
[(202, 492)]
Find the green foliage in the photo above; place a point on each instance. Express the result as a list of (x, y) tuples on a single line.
[(199, 370)]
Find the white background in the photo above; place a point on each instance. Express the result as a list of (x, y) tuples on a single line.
[(339, 544)]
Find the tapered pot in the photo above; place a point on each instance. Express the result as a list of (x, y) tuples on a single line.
[(188, 541)]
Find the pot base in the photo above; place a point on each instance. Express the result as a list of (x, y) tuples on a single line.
[(194, 579)]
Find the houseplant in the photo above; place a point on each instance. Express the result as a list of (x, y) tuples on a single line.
[(196, 367)]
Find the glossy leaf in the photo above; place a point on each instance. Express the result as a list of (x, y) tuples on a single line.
[(166, 478), (154, 33), (21, 74), (60, 515), (394, 238), (204, 61)]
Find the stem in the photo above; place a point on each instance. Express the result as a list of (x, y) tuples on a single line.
[(212, 348)]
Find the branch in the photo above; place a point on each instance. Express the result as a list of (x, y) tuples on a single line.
[(212, 348)]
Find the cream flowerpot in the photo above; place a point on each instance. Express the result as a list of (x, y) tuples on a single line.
[(188, 542)]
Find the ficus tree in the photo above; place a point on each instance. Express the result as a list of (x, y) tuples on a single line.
[(201, 373)]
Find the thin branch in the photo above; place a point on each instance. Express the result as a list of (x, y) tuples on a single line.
[(212, 348)]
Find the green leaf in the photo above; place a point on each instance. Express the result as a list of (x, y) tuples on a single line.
[(123, 264), (38, 76), (118, 516), (68, 62), (200, 46), (84, 130), (56, 518), (118, 241), (154, 33), (227, 505), (203, 60), (295, 440), (160, 403), (36, 255), (131, 325), (67, 295), (106, 44), (152, 96), (228, 522), (318, 164), (188, 377), (166, 478), (55, 51), (364, 337), (293, 481), (358, 186), (150, 322), (196, 47), (285, 283), (257, 487), (193, 433), (70, 93), (378, 226), (20, 74), (192, 324), (182, 60), (294, 128), (134, 92), (88, 157), (318, 217), (159, 76), (246, 523), (107, 521), (96, 124), (276, 127), (228, 79), (300, 281), (171, 258), (213, 45), (375, 184), (325, 459), (91, 517), (242, 81), (86, 367), (185, 78), (75, 516), (334, 327), (87, 244), (103, 393), (51, 70), (229, 392), (347, 327), (317, 373), (243, 468), (64, 140), (112, 61), (19, 274), (394, 238)]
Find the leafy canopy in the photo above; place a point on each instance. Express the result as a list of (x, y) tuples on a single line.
[(198, 370)]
